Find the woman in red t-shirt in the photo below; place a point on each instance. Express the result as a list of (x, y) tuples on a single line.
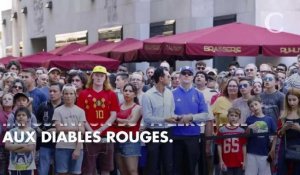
[(128, 120)]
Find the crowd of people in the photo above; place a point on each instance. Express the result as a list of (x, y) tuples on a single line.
[(251, 115)]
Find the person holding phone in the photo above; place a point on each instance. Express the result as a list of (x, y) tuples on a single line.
[(289, 127)]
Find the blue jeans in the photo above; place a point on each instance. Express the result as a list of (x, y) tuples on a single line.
[(46, 155)]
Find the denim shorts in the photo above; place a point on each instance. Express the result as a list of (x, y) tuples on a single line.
[(64, 162), (129, 149), (26, 172)]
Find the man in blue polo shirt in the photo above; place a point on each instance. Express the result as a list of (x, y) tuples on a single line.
[(191, 108)]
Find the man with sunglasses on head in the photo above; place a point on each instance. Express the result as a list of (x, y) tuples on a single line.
[(191, 109), (245, 87)]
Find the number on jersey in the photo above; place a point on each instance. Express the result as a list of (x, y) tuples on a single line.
[(231, 145)]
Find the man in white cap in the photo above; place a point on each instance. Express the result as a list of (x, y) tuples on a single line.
[(54, 75)]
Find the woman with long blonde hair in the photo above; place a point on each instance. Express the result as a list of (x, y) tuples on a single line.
[(289, 130)]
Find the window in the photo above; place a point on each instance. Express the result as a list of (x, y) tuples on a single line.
[(220, 20), (114, 34), (221, 62), (67, 38), (163, 28)]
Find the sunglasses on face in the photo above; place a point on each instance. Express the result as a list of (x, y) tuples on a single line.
[(18, 87), (187, 73), (8, 74), (268, 79), (242, 86)]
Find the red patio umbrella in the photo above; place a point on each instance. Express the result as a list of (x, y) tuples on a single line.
[(36, 60), (83, 61), (107, 49), (89, 47), (171, 46), (237, 39), (67, 48), (127, 51), (7, 59)]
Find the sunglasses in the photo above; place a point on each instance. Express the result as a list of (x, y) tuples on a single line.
[(241, 86), (187, 73), (18, 87), (268, 79), (10, 74)]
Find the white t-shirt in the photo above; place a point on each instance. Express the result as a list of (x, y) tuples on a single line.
[(68, 116), (21, 161)]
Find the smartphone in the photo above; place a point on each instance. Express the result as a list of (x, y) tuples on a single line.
[(289, 122)]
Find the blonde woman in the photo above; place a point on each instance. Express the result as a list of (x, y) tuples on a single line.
[(289, 127)]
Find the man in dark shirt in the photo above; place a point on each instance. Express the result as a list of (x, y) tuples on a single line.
[(44, 119)]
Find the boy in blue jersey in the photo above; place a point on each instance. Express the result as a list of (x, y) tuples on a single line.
[(258, 154)]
